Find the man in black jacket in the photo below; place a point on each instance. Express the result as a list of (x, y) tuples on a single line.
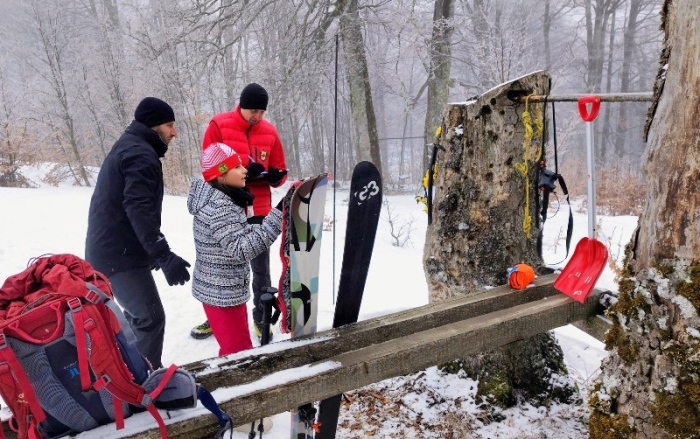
[(124, 240)]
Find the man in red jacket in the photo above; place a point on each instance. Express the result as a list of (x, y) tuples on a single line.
[(245, 130)]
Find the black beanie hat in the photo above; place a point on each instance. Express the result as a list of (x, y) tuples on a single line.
[(153, 112), (254, 97)]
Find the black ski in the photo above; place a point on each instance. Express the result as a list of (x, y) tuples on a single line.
[(364, 207)]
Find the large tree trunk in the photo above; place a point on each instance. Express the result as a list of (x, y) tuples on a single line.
[(484, 206), (649, 386), (484, 223)]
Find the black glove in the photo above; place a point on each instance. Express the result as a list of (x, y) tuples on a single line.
[(281, 201), (274, 176), (174, 268), (254, 170)]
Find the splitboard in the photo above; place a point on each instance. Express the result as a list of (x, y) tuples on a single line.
[(300, 252)]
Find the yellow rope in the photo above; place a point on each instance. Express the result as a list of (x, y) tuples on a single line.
[(522, 167)]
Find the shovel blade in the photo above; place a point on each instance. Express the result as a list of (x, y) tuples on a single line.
[(581, 273)]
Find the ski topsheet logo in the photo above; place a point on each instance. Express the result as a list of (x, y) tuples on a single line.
[(368, 191)]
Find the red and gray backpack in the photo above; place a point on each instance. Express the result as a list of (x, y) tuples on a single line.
[(67, 359)]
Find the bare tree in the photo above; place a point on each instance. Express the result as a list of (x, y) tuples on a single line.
[(438, 71), (15, 133), (366, 139), (56, 45)]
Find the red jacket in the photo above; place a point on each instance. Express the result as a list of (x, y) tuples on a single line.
[(259, 141)]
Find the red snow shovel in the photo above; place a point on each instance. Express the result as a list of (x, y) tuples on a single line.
[(581, 273)]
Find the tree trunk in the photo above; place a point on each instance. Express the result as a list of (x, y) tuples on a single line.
[(546, 27), (650, 384), (481, 225), (439, 72), (484, 223), (364, 118)]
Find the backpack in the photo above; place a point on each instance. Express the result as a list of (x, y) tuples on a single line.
[(67, 358)]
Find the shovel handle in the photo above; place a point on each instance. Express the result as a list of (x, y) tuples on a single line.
[(583, 102)]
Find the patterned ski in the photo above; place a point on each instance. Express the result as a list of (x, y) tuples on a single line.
[(363, 216), (302, 227)]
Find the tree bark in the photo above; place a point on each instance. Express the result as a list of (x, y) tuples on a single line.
[(439, 71), (649, 385), (478, 229), (484, 223), (364, 118)]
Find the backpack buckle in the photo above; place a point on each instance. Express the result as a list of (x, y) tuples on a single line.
[(74, 304), (146, 401), (102, 382), (3, 341), (92, 297)]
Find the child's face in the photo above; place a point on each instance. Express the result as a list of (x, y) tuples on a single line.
[(234, 177)]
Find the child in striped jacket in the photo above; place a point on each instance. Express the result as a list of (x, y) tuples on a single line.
[(225, 243)]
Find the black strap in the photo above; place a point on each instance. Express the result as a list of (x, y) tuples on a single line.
[(429, 192), (546, 192)]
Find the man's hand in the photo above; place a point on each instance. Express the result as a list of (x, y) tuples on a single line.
[(174, 268), (274, 176), (254, 170)]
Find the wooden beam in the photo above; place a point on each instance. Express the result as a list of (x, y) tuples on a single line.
[(393, 357), (596, 326), (356, 355)]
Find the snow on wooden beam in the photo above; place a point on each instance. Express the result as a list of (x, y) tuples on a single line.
[(373, 350)]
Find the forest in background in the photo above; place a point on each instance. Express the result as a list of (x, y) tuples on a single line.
[(72, 71)]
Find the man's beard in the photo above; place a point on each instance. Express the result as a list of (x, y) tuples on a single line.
[(162, 135)]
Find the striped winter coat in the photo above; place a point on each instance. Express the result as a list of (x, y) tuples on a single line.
[(225, 243)]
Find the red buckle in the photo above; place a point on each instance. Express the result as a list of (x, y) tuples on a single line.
[(92, 296), (74, 304), (3, 341)]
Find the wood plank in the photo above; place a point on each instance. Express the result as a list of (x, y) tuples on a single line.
[(395, 344), (256, 364), (393, 357)]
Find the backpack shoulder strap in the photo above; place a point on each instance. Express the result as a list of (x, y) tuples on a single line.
[(18, 393), (111, 372)]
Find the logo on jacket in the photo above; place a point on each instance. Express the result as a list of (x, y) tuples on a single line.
[(263, 155)]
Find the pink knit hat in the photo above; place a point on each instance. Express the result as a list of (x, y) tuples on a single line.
[(218, 159)]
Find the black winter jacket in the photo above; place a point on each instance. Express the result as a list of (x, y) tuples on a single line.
[(125, 209)]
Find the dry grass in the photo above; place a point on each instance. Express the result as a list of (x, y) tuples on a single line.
[(618, 191)]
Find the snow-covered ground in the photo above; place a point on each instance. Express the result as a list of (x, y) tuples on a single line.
[(34, 222)]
